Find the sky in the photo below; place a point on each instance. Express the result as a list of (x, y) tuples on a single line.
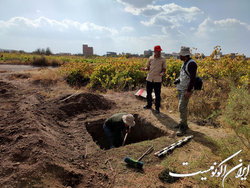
[(129, 26)]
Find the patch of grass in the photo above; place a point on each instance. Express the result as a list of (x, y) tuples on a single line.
[(227, 147), (15, 61), (47, 74), (204, 159), (205, 105), (237, 113)]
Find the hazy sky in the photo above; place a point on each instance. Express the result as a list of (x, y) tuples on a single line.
[(125, 25)]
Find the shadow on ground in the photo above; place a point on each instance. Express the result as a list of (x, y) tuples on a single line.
[(198, 136)]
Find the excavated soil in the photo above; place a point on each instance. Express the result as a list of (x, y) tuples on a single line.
[(45, 137), (51, 135)]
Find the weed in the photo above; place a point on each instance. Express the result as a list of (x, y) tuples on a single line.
[(237, 113)]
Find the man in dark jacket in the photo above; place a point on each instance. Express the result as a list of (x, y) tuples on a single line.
[(114, 127)]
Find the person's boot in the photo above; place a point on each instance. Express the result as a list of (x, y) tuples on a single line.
[(182, 130), (147, 107), (157, 110), (177, 126)]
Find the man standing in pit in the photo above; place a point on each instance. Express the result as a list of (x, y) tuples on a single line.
[(156, 67), (114, 127)]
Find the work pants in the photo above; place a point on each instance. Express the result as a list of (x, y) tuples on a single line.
[(115, 138), (183, 107), (157, 89)]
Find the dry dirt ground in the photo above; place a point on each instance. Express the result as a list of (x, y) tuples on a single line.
[(51, 136)]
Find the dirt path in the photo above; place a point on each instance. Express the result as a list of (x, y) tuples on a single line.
[(47, 132)]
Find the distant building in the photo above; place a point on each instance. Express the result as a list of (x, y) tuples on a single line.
[(234, 55), (111, 54), (168, 56), (148, 53), (176, 55), (87, 51), (62, 53)]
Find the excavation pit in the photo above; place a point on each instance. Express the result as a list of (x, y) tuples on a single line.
[(143, 130)]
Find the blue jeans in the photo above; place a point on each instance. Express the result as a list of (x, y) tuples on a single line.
[(115, 139)]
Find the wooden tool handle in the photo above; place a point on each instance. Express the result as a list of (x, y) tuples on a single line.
[(125, 138), (147, 152)]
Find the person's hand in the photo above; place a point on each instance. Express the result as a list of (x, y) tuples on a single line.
[(162, 73), (188, 94)]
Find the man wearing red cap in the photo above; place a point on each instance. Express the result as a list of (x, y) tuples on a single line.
[(156, 67)]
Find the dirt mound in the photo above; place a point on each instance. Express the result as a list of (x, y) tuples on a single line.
[(19, 137), (71, 105), (35, 148)]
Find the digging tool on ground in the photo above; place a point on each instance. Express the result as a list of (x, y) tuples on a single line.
[(138, 163)]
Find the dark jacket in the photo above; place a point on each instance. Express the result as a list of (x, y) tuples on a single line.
[(115, 122)]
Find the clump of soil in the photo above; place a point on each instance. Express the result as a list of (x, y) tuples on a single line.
[(165, 177), (72, 105)]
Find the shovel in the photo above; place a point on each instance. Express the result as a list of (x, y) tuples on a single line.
[(125, 138), (138, 163)]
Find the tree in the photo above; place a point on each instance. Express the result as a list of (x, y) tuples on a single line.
[(216, 51), (48, 52), (38, 51)]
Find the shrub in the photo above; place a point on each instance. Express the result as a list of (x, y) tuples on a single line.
[(118, 75), (237, 113), (172, 72), (76, 78), (55, 63), (76, 74), (40, 61)]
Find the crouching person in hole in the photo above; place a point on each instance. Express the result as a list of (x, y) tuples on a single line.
[(114, 127), (185, 84)]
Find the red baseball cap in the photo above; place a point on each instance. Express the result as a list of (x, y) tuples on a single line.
[(157, 48)]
